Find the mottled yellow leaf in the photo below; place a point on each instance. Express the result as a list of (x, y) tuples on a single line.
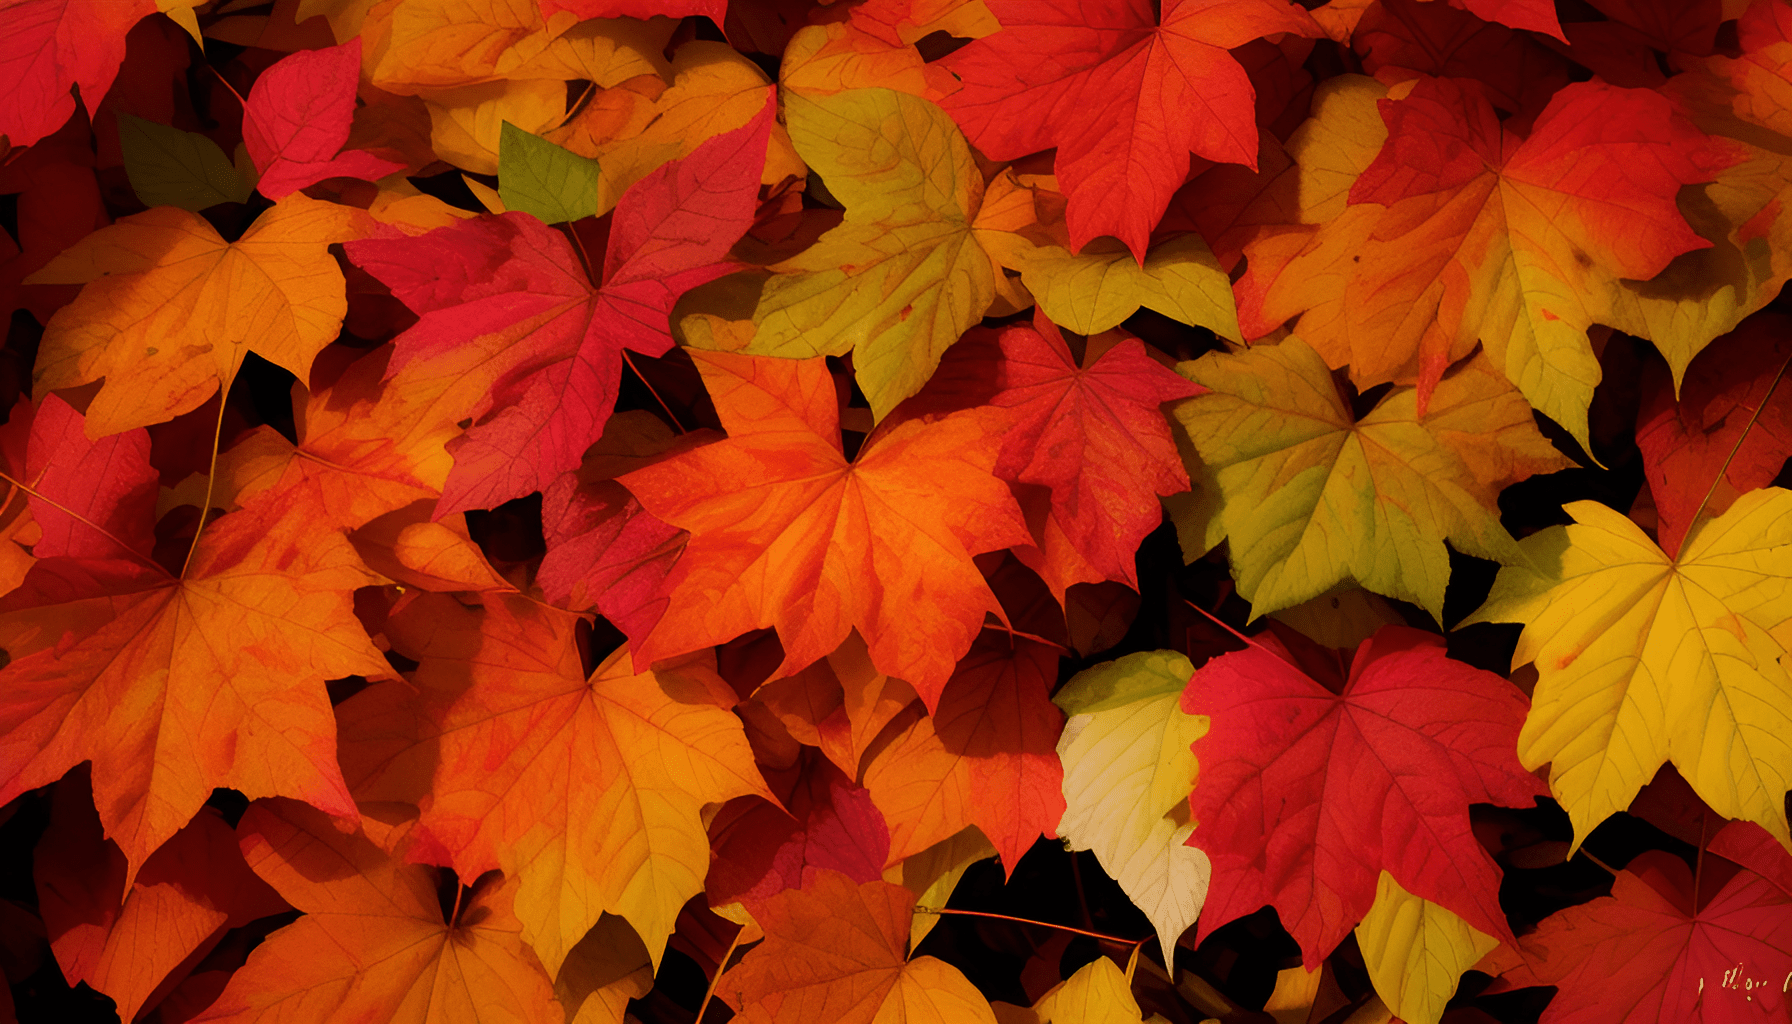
[(1311, 497), (901, 278)]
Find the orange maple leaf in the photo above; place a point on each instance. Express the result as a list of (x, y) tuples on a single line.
[(584, 788), (986, 756), (174, 685), (835, 952), (373, 945), (170, 308), (786, 533)]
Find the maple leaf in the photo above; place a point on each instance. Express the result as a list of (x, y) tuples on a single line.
[(366, 447), (1687, 440), (985, 756), (825, 821), (94, 499), (834, 951), (1308, 497), (786, 533), (901, 278), (1396, 723), (665, 112), (173, 685), (584, 790), (1461, 232), (1123, 96), (840, 704), (53, 45), (1643, 659), (551, 339), (373, 944), (603, 549), (1128, 768), (127, 943), (296, 121), (1092, 431), (1656, 949), (1415, 951), (169, 309)]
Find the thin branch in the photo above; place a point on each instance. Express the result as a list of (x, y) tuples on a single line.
[(1750, 425), (629, 358), (79, 518), (211, 478), (710, 992), (1115, 939)]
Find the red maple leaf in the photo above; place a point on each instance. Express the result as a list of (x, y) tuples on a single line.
[(1123, 96), (1686, 443), (1652, 951), (50, 46), (297, 119), (1307, 793), (504, 298)]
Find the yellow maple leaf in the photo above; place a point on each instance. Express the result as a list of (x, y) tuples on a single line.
[(1643, 659), (170, 308)]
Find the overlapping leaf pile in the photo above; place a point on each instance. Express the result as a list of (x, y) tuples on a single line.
[(514, 503)]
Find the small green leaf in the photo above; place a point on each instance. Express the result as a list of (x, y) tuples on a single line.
[(169, 167), (538, 177)]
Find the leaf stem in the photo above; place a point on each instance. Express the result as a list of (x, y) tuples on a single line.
[(1115, 939), (1698, 862), (79, 518), (211, 475), (629, 358), (710, 992), (1737, 447)]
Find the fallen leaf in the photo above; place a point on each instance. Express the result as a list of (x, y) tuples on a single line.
[(1310, 496), (1643, 659), (1124, 93), (169, 309), (1128, 768), (902, 277), (834, 951), (1395, 722), (296, 122), (583, 790), (547, 340), (786, 533), (373, 944)]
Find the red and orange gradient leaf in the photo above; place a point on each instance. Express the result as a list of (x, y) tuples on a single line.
[(786, 533)]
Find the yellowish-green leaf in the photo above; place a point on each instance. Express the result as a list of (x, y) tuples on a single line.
[(1128, 771), (1642, 659), (1096, 290), (538, 177), (169, 167), (1310, 498), (901, 278), (1416, 951)]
